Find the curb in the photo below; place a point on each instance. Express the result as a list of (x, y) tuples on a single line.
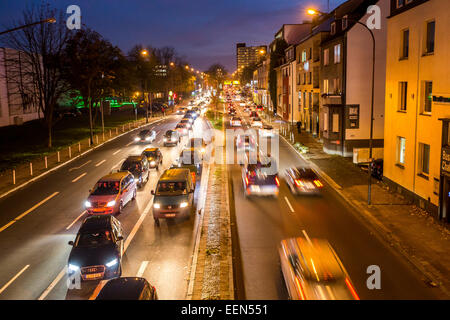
[(379, 229), (73, 159)]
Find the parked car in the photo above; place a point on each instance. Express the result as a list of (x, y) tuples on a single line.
[(139, 167), (145, 136), (97, 250), (303, 180), (171, 138), (174, 195), (127, 288), (313, 271), (111, 193), (154, 157)]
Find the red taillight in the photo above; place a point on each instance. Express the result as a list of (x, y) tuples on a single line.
[(318, 183), (298, 183), (277, 181), (352, 290)]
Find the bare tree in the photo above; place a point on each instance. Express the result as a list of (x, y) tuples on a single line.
[(41, 50)]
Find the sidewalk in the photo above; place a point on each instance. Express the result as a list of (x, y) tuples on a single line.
[(421, 239)]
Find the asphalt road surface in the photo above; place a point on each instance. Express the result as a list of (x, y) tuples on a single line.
[(262, 222), (37, 222)]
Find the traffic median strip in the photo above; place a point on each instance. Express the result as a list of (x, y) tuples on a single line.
[(28, 211)]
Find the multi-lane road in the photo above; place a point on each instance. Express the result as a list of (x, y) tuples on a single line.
[(263, 222), (37, 222)]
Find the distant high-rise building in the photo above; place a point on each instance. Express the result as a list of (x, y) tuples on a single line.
[(245, 56)]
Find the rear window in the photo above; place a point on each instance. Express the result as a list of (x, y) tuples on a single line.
[(150, 154), (308, 174), (171, 188), (104, 188), (131, 166)]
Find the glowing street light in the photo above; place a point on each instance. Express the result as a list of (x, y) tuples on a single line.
[(172, 64), (144, 52)]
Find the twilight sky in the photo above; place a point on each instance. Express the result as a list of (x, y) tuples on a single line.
[(202, 31)]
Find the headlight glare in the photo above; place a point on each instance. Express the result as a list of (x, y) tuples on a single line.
[(111, 203), (112, 263), (183, 205), (73, 267), (156, 205), (87, 204)]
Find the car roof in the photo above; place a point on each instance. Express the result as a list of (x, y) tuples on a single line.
[(96, 222), (122, 289), (150, 149), (134, 158), (115, 176), (176, 174)]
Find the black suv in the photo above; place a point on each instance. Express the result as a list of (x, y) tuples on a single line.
[(97, 250), (138, 166)]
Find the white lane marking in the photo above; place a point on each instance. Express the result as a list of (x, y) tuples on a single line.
[(53, 284), (79, 177), (100, 163), (307, 238), (289, 204), (13, 278), (118, 163), (75, 168), (142, 269), (117, 152), (28, 211), (70, 225), (138, 224), (129, 143)]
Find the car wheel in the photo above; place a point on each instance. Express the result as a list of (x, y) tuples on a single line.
[(134, 195), (120, 270), (120, 207), (157, 222)]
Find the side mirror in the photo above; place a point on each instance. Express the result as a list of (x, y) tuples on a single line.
[(152, 192), (90, 190), (120, 238), (70, 243)]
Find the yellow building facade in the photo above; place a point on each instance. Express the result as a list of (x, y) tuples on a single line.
[(417, 107)]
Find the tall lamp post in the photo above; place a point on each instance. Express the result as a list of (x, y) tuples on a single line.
[(369, 189), (147, 96)]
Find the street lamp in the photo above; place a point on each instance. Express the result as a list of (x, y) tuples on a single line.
[(49, 20), (144, 53), (369, 186)]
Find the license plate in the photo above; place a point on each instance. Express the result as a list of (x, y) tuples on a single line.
[(170, 215), (93, 276)]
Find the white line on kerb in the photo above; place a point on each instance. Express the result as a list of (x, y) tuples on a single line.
[(289, 204), (79, 177), (142, 268), (307, 238), (117, 152), (70, 225), (13, 278), (98, 164)]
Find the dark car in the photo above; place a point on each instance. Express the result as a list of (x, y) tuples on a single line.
[(303, 181), (138, 166), (260, 179), (192, 113), (145, 136), (127, 288), (154, 157), (171, 138), (97, 250)]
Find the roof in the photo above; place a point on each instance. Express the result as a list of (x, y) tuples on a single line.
[(115, 176), (134, 158), (177, 174), (150, 149), (99, 222), (126, 288)]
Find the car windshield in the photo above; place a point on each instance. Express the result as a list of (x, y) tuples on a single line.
[(104, 188), (132, 166), (93, 239), (169, 134), (171, 188), (144, 132), (150, 154)]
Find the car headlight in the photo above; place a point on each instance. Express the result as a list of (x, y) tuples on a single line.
[(111, 203), (136, 139), (73, 267), (87, 204), (112, 263), (152, 163), (183, 205), (203, 150), (148, 139), (156, 205), (165, 139), (174, 139)]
